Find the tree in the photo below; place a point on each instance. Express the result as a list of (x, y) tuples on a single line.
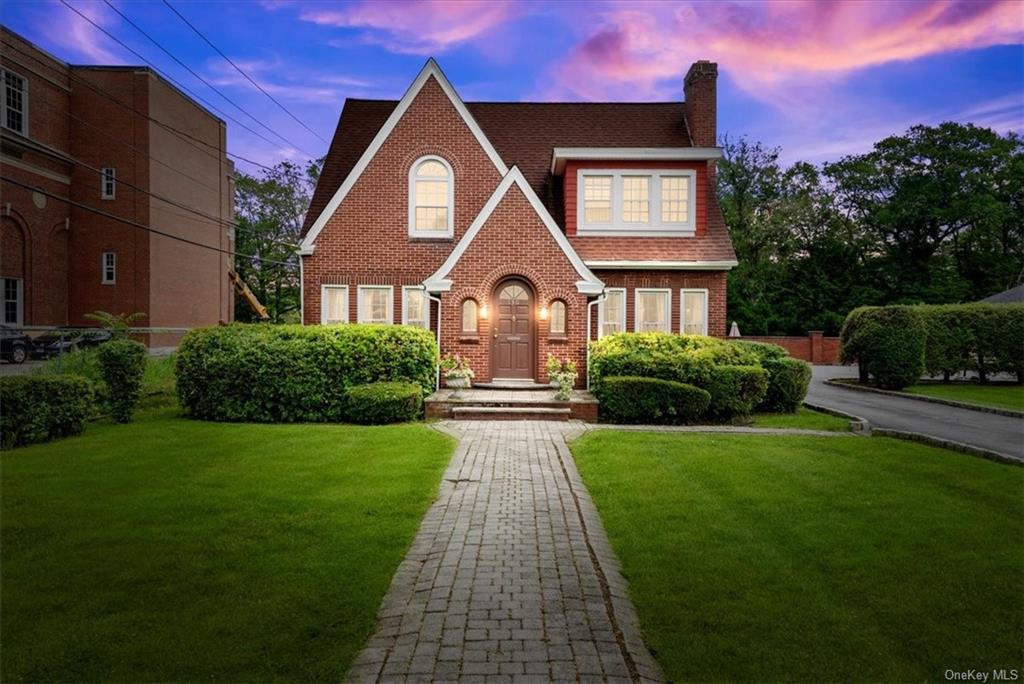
[(269, 211)]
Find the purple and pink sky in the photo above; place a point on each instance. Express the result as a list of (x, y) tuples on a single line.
[(818, 79)]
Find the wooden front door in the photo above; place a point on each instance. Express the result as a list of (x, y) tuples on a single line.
[(512, 344)]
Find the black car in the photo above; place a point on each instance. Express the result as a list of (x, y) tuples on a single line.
[(66, 339), (14, 346)]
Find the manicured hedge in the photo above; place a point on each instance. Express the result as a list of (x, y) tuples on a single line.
[(38, 408), (293, 373), (691, 359), (651, 400), (985, 338), (788, 378), (122, 363), (379, 403)]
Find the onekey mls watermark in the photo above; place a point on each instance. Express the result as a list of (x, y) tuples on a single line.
[(973, 675)]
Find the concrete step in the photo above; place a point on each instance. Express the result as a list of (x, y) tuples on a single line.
[(510, 413), (512, 385)]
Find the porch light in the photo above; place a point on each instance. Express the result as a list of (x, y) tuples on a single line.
[(543, 313), (483, 311)]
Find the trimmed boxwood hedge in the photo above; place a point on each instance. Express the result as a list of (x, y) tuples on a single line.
[(788, 378), (38, 408), (294, 373), (651, 400), (122, 364), (736, 390), (379, 403)]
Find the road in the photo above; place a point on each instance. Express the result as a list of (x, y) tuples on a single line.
[(986, 430)]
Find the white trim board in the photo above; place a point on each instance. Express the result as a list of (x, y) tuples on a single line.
[(560, 155), (664, 265), (429, 69), (588, 283)]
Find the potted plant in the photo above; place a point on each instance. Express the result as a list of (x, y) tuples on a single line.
[(563, 375), (457, 373)]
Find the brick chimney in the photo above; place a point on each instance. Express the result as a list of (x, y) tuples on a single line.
[(701, 106)]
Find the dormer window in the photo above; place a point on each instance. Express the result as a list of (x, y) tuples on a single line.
[(636, 203), (431, 198)]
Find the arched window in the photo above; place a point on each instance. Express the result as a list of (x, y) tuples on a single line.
[(469, 316), (557, 317), (431, 193)]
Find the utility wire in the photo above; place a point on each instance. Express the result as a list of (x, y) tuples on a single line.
[(171, 129), (179, 84), (239, 69), (140, 226)]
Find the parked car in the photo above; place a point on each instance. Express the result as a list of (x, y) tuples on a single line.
[(14, 346), (66, 339)]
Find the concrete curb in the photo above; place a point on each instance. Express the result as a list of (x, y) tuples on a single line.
[(931, 400), (714, 429), (858, 425), (951, 445)]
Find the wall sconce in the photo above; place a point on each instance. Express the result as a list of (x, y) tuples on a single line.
[(483, 311), (543, 313)]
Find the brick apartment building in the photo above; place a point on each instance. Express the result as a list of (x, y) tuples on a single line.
[(88, 134)]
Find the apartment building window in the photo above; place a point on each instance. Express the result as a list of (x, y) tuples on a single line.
[(628, 202), (108, 183), (13, 301), (415, 307), (375, 304), (333, 304), (15, 102), (108, 267), (611, 313), (653, 309), (694, 313)]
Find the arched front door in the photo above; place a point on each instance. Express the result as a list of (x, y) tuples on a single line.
[(512, 343)]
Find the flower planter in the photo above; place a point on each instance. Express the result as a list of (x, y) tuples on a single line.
[(457, 383)]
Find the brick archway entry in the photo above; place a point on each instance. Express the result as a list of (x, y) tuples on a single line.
[(513, 342)]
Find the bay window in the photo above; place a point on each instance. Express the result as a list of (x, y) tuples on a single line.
[(375, 304), (611, 313), (636, 203), (653, 307), (333, 304), (693, 315)]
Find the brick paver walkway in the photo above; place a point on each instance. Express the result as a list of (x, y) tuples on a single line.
[(510, 577)]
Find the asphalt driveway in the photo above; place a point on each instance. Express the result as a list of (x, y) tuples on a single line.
[(986, 430)]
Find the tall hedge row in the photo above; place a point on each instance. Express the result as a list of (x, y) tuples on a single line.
[(293, 373), (886, 341)]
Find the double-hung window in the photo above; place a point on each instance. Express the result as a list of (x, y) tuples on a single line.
[(431, 198), (415, 307), (636, 202), (108, 183), (653, 310), (611, 313), (13, 293), (333, 304), (376, 304), (694, 311), (14, 104), (108, 267)]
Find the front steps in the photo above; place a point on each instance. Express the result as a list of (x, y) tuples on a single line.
[(510, 404)]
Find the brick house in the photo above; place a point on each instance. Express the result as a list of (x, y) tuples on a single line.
[(519, 230), (88, 134)]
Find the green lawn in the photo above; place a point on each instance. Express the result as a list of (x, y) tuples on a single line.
[(180, 550), (813, 558), (1000, 396), (803, 418)]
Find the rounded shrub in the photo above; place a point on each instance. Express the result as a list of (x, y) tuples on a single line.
[(650, 400), (852, 340), (122, 363), (892, 341), (378, 403), (788, 380), (38, 408), (736, 390), (294, 373)]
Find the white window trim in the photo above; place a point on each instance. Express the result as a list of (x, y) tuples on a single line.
[(682, 308), (103, 269), (391, 303), (436, 234), (405, 305), (20, 314), (323, 302), (3, 101), (636, 305), (103, 183), (601, 306), (655, 227)]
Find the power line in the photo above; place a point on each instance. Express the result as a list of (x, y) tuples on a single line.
[(186, 137), (140, 226), (238, 69), (179, 84)]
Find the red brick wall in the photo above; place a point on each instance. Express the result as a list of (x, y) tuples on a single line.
[(367, 241), (713, 281), (572, 167), (815, 348), (515, 242)]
